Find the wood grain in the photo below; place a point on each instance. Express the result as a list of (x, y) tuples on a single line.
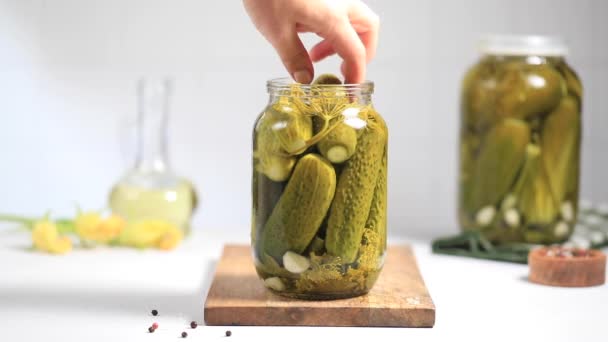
[(399, 298)]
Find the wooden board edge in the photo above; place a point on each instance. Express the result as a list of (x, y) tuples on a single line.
[(428, 293), (248, 316)]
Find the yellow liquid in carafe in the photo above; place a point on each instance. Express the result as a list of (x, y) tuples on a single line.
[(174, 204)]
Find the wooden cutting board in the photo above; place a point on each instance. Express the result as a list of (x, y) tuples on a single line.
[(399, 298)]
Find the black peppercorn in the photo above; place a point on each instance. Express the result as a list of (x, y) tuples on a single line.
[(184, 334), (193, 325), (154, 312), (151, 329), (228, 333)]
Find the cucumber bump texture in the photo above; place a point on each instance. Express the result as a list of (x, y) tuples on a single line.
[(376, 221), (295, 219), (354, 193)]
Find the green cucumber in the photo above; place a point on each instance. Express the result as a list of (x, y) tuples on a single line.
[(377, 213), (354, 193), (339, 144), (560, 144), (501, 157), (299, 212), (534, 195), (269, 157)]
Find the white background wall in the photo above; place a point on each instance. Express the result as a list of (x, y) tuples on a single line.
[(68, 67)]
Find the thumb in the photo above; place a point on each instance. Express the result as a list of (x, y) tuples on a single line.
[(292, 52)]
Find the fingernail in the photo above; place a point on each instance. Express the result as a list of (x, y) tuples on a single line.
[(302, 76)]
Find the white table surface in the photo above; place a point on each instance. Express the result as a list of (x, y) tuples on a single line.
[(107, 295)]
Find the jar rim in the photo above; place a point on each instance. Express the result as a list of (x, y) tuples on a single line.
[(286, 83), (522, 45)]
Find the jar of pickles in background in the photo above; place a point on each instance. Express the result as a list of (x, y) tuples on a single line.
[(319, 189), (520, 141)]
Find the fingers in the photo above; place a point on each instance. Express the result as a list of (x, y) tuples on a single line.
[(301, 28), (370, 41), (349, 46), (367, 25), (349, 28), (324, 49), (294, 56), (354, 38), (321, 50)]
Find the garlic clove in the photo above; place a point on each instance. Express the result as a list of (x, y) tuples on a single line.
[(295, 263), (509, 202), (561, 229), (485, 215), (512, 218), (567, 211), (274, 283)]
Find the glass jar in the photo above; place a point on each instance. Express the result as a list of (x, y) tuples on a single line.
[(520, 141), (319, 189), (150, 190)]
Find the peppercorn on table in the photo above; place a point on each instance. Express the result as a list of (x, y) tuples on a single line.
[(107, 295)]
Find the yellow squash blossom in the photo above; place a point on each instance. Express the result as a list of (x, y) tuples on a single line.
[(92, 227), (46, 238), (151, 234), (172, 237)]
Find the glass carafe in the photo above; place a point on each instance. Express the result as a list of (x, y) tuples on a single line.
[(150, 190)]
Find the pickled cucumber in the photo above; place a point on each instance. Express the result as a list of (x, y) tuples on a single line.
[(354, 194), (339, 145), (501, 156), (269, 156), (376, 221), (299, 212), (469, 149), (535, 199), (560, 139), (328, 100), (479, 97), (327, 79), (291, 127), (317, 246), (573, 83), (525, 91), (266, 193)]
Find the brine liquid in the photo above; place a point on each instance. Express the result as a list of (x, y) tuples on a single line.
[(174, 204)]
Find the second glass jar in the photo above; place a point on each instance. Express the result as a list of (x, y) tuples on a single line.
[(319, 189), (520, 141)]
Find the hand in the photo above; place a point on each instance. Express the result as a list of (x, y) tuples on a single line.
[(348, 27)]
